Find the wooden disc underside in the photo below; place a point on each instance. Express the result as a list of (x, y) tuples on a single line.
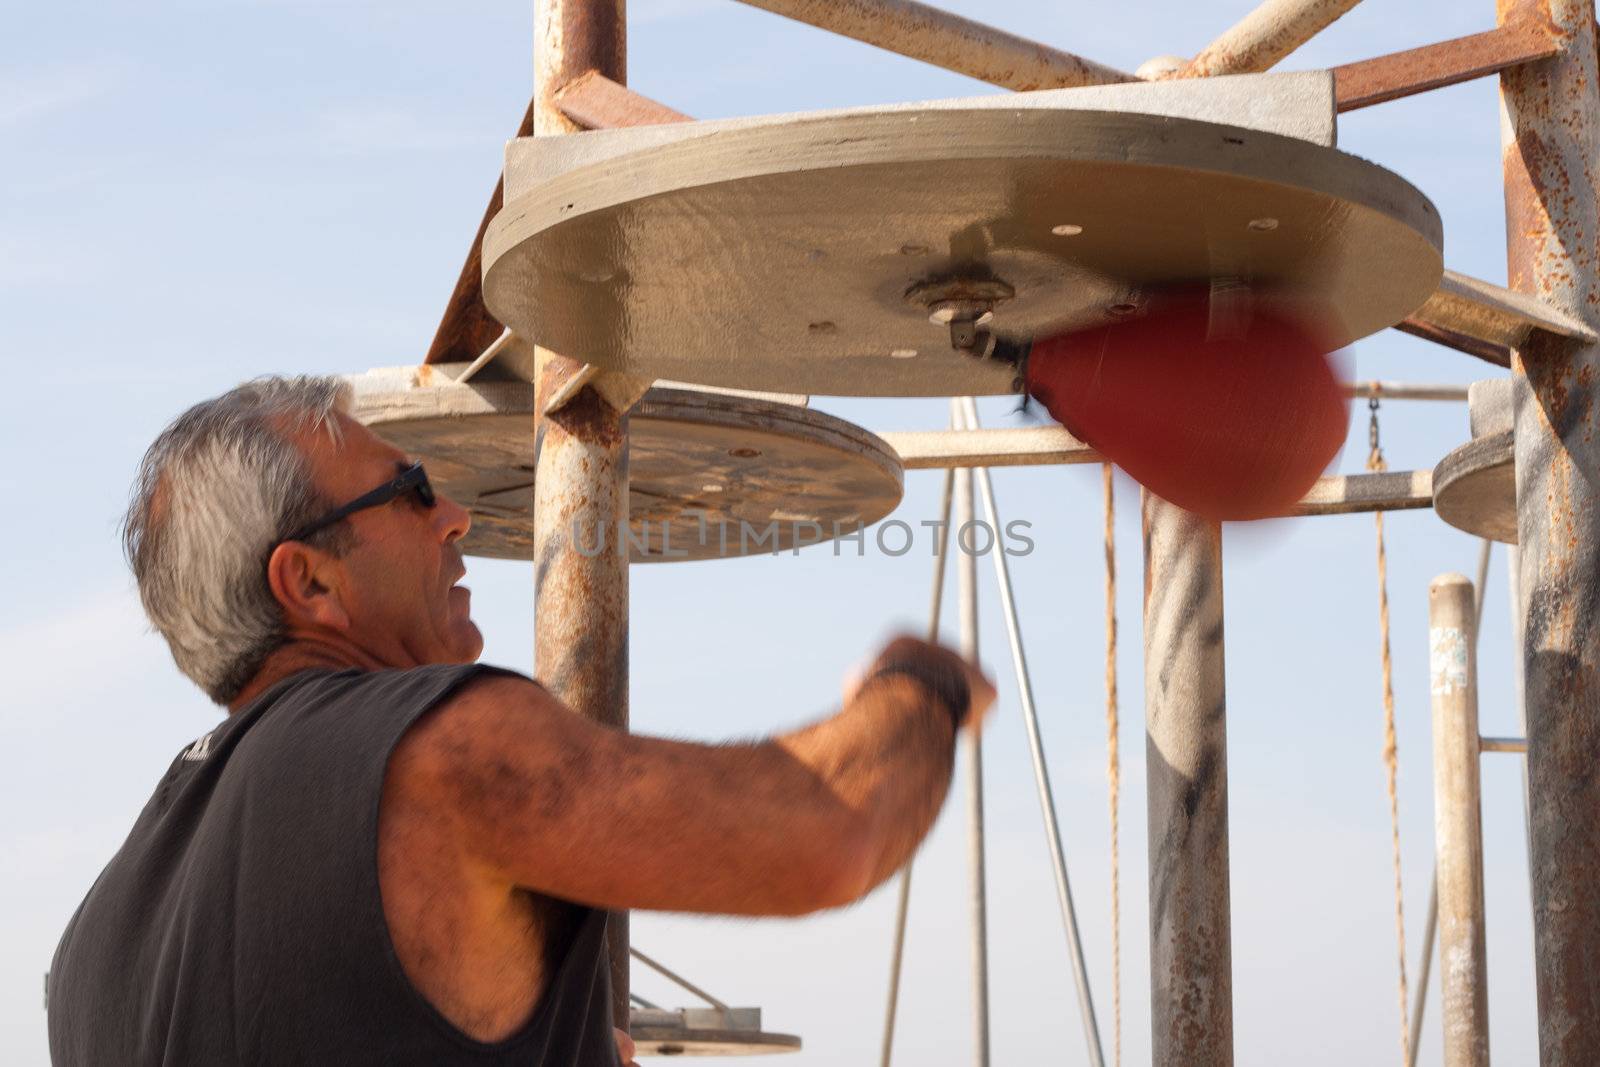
[(1475, 488), (781, 257), (683, 1041), (709, 475)]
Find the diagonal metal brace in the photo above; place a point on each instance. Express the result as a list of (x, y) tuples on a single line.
[(619, 391)]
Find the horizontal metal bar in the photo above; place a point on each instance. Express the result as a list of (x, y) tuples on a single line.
[(1493, 313), (1028, 446), (949, 41), (1434, 66), (1259, 40), (1053, 446), (1346, 494), (596, 102), (1503, 744), (1405, 391)]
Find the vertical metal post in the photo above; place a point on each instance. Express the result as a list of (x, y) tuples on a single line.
[(1041, 770), (1191, 954), (581, 479), (903, 902), (1513, 584), (966, 539), (1551, 157), (1457, 823)]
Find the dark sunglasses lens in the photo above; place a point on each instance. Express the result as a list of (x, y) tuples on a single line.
[(424, 489)]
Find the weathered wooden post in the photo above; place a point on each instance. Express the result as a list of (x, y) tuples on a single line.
[(1191, 952), (1457, 822), (1551, 157), (581, 478)]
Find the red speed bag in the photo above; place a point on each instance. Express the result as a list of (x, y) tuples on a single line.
[(1230, 421)]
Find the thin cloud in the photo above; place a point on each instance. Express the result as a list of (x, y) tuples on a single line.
[(656, 12), (362, 129), (27, 96)]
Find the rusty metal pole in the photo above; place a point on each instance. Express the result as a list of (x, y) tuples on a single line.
[(1458, 822), (1191, 954), (581, 479), (1551, 156)]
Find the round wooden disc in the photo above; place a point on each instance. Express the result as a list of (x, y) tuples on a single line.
[(681, 1041), (779, 257), (709, 475), (1475, 488)]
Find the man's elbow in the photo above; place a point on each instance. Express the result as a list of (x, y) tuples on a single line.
[(834, 869)]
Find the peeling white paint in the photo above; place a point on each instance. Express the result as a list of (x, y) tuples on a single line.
[(1447, 660)]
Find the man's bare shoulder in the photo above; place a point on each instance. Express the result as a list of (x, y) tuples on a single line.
[(490, 718)]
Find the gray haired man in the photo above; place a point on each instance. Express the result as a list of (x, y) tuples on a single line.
[(388, 854)]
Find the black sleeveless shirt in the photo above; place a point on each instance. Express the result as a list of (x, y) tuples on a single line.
[(241, 922)]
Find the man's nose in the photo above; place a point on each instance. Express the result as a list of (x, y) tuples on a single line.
[(451, 519)]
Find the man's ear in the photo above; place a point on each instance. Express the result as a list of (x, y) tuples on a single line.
[(308, 584)]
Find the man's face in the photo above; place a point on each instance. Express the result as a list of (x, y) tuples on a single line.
[(397, 581)]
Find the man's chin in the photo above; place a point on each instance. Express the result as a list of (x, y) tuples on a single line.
[(471, 644)]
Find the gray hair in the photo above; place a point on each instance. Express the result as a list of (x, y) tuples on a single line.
[(216, 492)]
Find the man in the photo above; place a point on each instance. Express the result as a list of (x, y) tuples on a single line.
[(387, 854)]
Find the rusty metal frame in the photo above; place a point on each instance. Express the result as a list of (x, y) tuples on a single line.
[(1434, 66), (1544, 326), (1550, 129), (1464, 314), (942, 39)]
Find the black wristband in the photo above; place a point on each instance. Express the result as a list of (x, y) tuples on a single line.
[(947, 682)]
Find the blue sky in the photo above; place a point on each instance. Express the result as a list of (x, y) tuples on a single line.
[(198, 193)]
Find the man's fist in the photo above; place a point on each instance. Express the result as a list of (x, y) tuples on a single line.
[(911, 650)]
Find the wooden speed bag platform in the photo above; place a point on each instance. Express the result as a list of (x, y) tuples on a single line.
[(710, 475), (1475, 486), (705, 1032), (834, 252)]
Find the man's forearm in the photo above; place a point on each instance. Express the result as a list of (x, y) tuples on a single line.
[(887, 756)]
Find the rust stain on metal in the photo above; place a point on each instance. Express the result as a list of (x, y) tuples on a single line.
[(1418, 70), (467, 328), (1553, 223), (581, 599), (595, 102)]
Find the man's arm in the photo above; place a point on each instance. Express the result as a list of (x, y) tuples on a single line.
[(807, 820)]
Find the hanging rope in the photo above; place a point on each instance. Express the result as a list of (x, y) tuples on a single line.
[(1391, 756), (1113, 762)]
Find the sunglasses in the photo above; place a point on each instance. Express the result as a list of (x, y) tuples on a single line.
[(412, 479)]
